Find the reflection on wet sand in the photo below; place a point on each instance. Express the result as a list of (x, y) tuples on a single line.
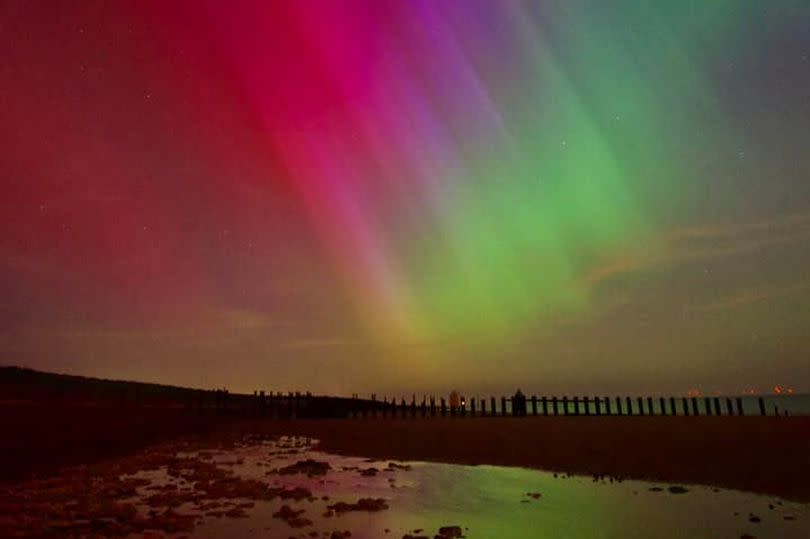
[(284, 487)]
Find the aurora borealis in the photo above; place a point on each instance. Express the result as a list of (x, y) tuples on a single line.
[(408, 196)]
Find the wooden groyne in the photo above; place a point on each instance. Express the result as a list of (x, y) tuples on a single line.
[(583, 406)]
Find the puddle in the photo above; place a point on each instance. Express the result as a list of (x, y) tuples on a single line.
[(285, 488), (484, 501)]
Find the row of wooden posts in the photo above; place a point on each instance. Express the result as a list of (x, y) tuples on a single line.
[(277, 405), (297, 404), (554, 406)]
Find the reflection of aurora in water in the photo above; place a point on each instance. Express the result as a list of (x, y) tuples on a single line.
[(492, 501)]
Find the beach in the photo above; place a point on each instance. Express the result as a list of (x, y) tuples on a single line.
[(236, 483), (766, 455)]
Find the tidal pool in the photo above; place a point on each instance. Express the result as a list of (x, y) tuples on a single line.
[(484, 501)]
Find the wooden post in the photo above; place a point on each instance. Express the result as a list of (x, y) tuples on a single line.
[(554, 405), (695, 409), (587, 405), (629, 404), (444, 407), (717, 410), (762, 406), (640, 406), (607, 406), (545, 406), (576, 405), (503, 406), (433, 406), (534, 405), (483, 407), (740, 407), (494, 411), (472, 407), (707, 404), (662, 403), (672, 408), (424, 406), (729, 406), (565, 405), (619, 406), (598, 405), (685, 404), (650, 406)]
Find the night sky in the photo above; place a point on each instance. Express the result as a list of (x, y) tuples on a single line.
[(565, 196)]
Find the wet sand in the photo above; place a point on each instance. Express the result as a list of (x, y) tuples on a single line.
[(765, 455), (227, 482), (237, 486)]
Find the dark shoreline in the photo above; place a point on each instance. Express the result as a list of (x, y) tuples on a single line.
[(36, 440)]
